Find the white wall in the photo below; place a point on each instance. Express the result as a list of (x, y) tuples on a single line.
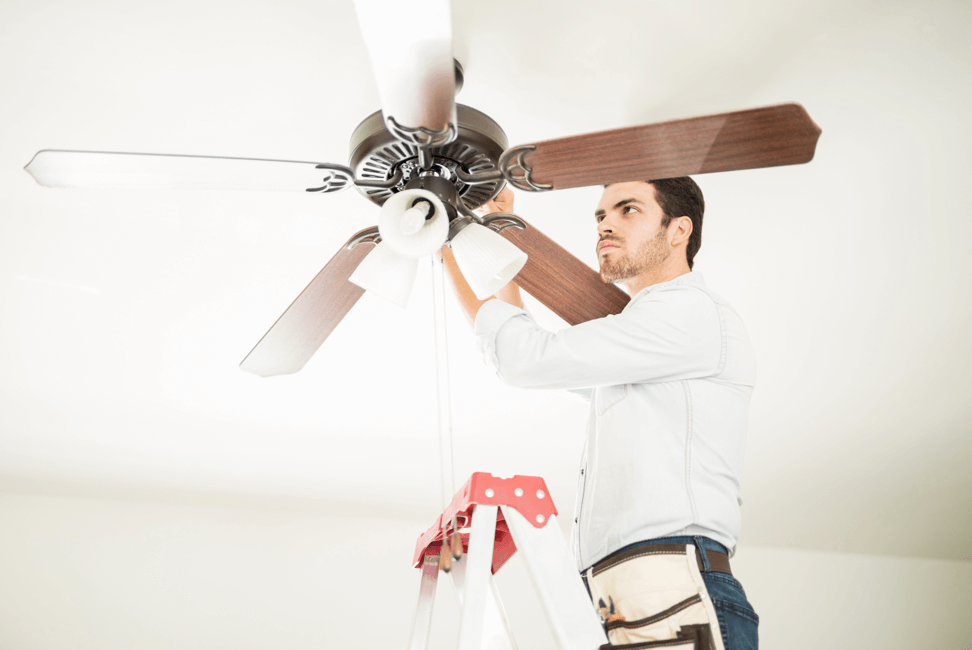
[(122, 574), (814, 600)]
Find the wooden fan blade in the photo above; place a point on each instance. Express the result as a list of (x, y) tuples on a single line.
[(758, 137), (567, 286), (311, 318)]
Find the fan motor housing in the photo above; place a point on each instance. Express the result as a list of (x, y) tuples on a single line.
[(376, 155)]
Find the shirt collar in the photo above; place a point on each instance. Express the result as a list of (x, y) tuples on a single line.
[(691, 278)]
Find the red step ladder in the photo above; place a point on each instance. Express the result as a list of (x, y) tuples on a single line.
[(495, 517)]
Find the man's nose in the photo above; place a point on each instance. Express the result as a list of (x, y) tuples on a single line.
[(604, 226)]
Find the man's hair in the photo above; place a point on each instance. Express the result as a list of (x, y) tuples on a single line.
[(681, 197)]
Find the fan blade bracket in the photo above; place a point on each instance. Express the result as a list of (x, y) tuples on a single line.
[(338, 177), (421, 136), (500, 221), (479, 178), (518, 172), (341, 177), (368, 236)]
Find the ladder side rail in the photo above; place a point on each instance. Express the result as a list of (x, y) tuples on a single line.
[(418, 638), (478, 574), (566, 603), (500, 623), (497, 633)]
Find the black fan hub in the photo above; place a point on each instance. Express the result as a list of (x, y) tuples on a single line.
[(376, 155)]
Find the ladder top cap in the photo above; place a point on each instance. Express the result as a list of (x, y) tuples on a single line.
[(528, 495)]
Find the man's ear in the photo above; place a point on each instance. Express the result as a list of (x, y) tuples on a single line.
[(680, 230)]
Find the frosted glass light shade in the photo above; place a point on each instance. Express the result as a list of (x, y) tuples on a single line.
[(405, 240), (486, 259), (385, 272)]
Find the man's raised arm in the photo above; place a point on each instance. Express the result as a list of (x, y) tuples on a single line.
[(467, 299)]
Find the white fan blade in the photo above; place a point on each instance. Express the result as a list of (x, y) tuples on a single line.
[(95, 169), (410, 45)]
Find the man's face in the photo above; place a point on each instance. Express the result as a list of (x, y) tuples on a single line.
[(631, 239)]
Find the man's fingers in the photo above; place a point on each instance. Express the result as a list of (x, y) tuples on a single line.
[(503, 202)]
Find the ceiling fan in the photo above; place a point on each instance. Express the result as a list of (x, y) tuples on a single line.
[(429, 162)]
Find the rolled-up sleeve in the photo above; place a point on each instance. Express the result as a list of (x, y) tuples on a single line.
[(492, 315), (664, 336)]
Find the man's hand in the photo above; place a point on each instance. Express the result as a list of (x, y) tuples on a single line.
[(467, 299), (502, 203)]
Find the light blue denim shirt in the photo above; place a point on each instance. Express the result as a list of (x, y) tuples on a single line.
[(669, 381)]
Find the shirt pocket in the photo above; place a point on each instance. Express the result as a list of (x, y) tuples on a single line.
[(608, 396)]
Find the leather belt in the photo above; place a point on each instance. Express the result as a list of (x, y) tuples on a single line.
[(718, 562)]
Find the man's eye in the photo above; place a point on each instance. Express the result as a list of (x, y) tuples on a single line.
[(629, 207)]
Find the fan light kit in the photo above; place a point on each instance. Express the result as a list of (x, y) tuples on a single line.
[(487, 261), (429, 163)]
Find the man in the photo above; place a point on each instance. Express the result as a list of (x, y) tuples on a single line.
[(669, 381)]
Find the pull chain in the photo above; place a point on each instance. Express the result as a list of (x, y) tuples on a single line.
[(448, 372), (455, 541), (438, 383), (438, 295)]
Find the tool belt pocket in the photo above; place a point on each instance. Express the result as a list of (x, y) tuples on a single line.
[(654, 597)]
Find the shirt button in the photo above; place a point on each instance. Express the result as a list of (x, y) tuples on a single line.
[(575, 520), (582, 472)]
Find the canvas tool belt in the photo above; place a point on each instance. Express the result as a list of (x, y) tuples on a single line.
[(653, 596)]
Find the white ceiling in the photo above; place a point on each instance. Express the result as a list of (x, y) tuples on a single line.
[(124, 314)]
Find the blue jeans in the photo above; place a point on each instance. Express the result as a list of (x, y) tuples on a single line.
[(737, 620)]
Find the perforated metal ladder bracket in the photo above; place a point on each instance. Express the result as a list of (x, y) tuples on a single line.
[(496, 517)]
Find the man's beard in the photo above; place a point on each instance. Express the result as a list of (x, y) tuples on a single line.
[(651, 254)]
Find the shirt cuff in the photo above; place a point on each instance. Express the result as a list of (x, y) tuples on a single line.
[(490, 318)]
